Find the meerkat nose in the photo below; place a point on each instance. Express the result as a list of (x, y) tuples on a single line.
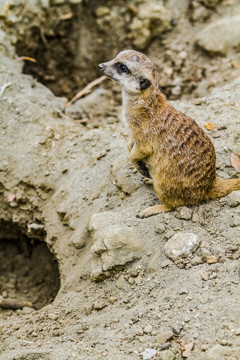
[(101, 66)]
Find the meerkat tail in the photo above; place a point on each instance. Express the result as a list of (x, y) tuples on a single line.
[(223, 187), (153, 210)]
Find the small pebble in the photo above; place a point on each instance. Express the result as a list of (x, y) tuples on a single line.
[(195, 218), (165, 263), (148, 329), (148, 354), (211, 259), (204, 298), (235, 221), (234, 198), (185, 213), (237, 331), (163, 337), (183, 292), (160, 228), (167, 355), (196, 260), (165, 346), (52, 316), (99, 304), (112, 299), (134, 272), (27, 310), (177, 327)]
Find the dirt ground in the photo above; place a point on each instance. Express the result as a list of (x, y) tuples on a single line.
[(101, 281)]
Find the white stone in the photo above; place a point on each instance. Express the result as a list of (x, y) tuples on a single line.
[(181, 245), (148, 354)]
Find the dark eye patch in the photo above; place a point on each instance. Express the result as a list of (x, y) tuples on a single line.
[(122, 69), (144, 83)]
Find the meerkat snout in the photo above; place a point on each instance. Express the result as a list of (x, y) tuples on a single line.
[(101, 67)]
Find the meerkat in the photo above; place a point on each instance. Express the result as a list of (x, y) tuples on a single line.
[(164, 144)]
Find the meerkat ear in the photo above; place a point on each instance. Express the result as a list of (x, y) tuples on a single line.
[(144, 83)]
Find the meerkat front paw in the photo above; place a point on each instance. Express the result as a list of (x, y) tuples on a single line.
[(153, 210), (147, 181)]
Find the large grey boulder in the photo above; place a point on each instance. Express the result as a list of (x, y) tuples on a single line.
[(220, 36)]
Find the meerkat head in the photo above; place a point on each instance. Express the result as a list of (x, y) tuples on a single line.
[(132, 70)]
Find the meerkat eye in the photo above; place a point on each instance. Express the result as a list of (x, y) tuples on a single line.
[(121, 68)]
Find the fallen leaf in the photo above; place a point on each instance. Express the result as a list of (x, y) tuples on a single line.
[(235, 161), (11, 197), (209, 126), (188, 350)]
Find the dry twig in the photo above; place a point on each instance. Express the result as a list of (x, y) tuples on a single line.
[(13, 304), (27, 58), (86, 90)]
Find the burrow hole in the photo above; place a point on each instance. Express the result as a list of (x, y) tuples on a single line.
[(28, 270)]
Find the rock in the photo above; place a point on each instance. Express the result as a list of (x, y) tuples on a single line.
[(183, 292), (120, 283), (205, 253), (114, 245), (27, 310), (177, 327), (79, 237), (153, 19), (234, 198), (123, 175), (141, 33), (53, 316), (99, 304), (181, 245), (237, 331), (35, 228), (148, 329), (196, 260), (195, 218), (148, 354), (211, 3), (220, 36), (112, 299), (211, 259), (204, 298), (185, 213), (165, 263), (176, 91), (134, 272), (166, 355), (200, 14), (102, 11), (235, 220), (165, 346), (218, 352), (160, 228), (187, 352), (163, 337)]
